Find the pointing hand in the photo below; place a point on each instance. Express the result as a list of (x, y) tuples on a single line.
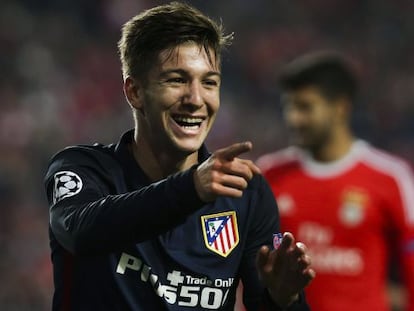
[(224, 174)]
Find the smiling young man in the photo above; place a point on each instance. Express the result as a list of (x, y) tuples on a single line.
[(156, 222), (351, 203)]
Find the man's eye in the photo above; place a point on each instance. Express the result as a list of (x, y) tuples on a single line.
[(176, 80), (210, 82)]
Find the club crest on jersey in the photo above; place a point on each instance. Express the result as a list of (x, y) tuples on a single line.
[(286, 204), (277, 240), (220, 232), (353, 208), (67, 184)]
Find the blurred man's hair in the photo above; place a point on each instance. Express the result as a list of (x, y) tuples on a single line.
[(164, 27), (328, 71)]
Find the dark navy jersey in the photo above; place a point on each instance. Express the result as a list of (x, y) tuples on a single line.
[(122, 242)]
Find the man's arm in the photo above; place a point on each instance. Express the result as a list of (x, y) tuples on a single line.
[(400, 202), (94, 220)]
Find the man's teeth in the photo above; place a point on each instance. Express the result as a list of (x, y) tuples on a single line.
[(188, 121)]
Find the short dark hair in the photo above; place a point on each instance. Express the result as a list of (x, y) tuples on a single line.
[(164, 27), (329, 71)]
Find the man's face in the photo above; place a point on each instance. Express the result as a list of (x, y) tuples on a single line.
[(181, 99), (310, 117)]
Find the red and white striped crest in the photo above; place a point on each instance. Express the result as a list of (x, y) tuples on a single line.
[(220, 232)]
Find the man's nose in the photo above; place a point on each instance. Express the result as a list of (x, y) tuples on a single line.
[(193, 94)]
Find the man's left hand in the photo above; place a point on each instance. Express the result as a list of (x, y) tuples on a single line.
[(286, 270)]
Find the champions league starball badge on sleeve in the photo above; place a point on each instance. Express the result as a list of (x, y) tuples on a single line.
[(277, 240), (67, 184)]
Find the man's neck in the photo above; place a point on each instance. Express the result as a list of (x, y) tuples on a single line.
[(336, 148), (158, 164)]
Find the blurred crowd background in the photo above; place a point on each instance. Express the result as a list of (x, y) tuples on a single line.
[(61, 84)]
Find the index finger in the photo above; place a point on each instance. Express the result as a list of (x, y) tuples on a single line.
[(232, 151), (287, 241)]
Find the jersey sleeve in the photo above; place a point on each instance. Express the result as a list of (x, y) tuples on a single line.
[(265, 222), (88, 216), (400, 202)]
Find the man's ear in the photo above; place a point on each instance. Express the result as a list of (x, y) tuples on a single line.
[(133, 92), (343, 105)]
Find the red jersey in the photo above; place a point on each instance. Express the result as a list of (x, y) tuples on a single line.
[(353, 214)]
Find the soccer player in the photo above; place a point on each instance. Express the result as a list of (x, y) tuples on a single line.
[(351, 203), (156, 222)]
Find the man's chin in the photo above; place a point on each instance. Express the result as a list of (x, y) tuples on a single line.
[(188, 147), (302, 143)]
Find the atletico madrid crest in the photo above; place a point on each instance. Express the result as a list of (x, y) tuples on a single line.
[(220, 232)]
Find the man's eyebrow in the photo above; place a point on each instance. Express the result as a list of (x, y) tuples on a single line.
[(185, 73), (170, 71), (213, 73)]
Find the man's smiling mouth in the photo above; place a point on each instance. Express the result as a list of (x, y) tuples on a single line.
[(188, 122)]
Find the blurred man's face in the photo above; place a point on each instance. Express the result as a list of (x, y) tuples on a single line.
[(181, 99), (309, 116)]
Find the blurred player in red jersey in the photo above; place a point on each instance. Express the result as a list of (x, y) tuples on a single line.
[(351, 203)]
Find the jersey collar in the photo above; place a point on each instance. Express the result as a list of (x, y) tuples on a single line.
[(129, 164), (331, 169)]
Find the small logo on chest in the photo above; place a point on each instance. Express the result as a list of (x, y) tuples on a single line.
[(220, 232), (353, 209)]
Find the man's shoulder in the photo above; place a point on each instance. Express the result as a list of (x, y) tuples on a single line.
[(86, 153), (384, 162), (98, 157), (279, 159)]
